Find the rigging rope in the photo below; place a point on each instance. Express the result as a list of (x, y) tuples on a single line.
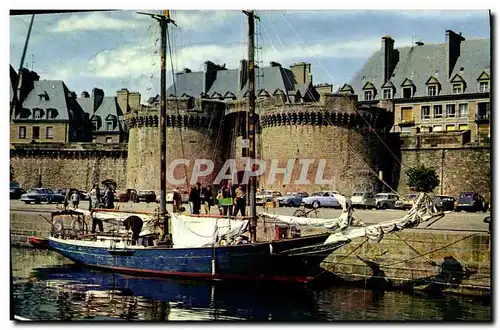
[(371, 128), (323, 110)]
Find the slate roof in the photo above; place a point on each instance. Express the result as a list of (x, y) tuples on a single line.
[(268, 78), (109, 107), (58, 99), (419, 63), (13, 81)]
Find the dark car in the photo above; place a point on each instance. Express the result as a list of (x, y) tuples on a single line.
[(39, 195), (148, 196), (16, 191), (444, 203), (471, 201)]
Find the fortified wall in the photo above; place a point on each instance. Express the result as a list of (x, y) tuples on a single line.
[(460, 165), (76, 165)]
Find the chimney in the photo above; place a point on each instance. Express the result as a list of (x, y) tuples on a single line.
[(274, 64), (210, 75), (453, 41), (243, 74), (302, 72), (27, 83), (186, 70), (96, 99), (134, 101), (388, 60), (122, 98), (84, 95)]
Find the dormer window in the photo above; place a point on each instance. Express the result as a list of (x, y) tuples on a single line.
[(457, 89), (457, 84), (484, 82), (432, 90), (109, 125), (37, 113), (347, 89), (387, 93), (408, 88), (51, 113), (368, 95), (43, 96), (484, 86), (369, 91), (94, 126)]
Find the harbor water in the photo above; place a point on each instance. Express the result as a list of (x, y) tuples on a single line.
[(47, 286)]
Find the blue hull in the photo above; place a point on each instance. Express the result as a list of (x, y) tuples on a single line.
[(260, 261)]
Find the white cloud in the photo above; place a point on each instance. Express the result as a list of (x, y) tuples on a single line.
[(99, 21), (202, 20), (442, 14)]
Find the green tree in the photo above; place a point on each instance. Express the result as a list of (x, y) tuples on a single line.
[(422, 178)]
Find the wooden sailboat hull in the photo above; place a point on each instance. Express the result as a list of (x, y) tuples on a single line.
[(260, 261)]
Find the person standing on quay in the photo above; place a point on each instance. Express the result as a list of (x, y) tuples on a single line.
[(177, 200), (75, 199), (94, 198), (208, 199), (195, 198), (109, 198), (239, 202), (228, 192)]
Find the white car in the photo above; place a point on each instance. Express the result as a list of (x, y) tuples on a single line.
[(322, 199), (266, 196), (363, 199)]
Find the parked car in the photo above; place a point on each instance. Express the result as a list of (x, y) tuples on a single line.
[(16, 191), (444, 203), (363, 199), (293, 199), (322, 199), (408, 201), (127, 195), (148, 196), (170, 197), (388, 201), (266, 196), (39, 195), (471, 201)]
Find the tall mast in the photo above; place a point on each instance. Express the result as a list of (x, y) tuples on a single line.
[(251, 120), (163, 20), (17, 91)]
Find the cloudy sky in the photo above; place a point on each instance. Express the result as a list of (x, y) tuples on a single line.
[(111, 50)]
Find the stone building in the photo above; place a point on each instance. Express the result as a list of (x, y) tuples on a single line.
[(46, 112), (107, 114), (440, 97), (207, 119), (431, 87)]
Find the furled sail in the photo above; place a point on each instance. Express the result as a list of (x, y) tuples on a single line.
[(423, 210)]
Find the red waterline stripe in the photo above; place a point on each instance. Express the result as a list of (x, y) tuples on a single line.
[(304, 279)]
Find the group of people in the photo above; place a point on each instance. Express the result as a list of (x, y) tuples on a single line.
[(201, 196), (231, 199)]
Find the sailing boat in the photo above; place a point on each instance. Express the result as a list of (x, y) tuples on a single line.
[(196, 246)]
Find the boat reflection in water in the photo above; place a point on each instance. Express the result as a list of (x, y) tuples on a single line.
[(74, 293)]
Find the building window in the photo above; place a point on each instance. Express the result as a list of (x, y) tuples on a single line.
[(463, 127), (438, 111), (437, 128), (431, 90), (450, 128), (407, 114), (450, 110), (94, 126), (368, 95), (457, 89), (406, 129), (484, 86), (387, 93), (109, 139), (426, 112), (36, 132), (49, 132), (463, 110), (22, 132), (483, 110), (37, 113), (407, 92), (109, 126)]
